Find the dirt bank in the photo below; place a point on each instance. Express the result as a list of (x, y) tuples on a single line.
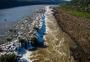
[(79, 31), (56, 40)]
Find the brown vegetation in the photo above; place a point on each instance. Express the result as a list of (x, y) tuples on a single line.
[(79, 31)]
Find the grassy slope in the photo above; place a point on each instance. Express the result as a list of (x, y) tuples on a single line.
[(75, 12), (77, 26)]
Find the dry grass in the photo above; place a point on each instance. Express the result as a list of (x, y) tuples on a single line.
[(79, 30)]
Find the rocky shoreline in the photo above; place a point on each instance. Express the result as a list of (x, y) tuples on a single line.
[(27, 35)]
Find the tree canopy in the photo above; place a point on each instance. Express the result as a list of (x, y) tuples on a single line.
[(83, 5)]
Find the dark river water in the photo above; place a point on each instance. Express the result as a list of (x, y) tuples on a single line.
[(8, 17)]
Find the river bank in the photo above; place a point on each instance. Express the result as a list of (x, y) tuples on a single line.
[(78, 29), (57, 49)]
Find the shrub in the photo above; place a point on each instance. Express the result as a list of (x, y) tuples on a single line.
[(8, 58)]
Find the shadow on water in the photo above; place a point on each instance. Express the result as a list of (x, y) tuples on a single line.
[(40, 35), (21, 50)]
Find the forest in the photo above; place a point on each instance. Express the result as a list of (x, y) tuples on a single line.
[(82, 5)]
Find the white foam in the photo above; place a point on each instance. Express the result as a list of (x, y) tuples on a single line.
[(26, 56)]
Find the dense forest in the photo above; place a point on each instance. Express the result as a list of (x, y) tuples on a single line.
[(82, 5)]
